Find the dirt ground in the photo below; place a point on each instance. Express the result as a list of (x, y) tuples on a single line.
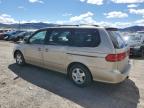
[(33, 87)]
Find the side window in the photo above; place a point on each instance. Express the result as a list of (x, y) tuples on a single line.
[(38, 38), (86, 38), (59, 37)]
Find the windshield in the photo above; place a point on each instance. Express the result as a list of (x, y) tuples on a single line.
[(117, 40)]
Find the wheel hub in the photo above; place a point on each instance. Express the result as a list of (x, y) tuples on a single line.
[(78, 75), (19, 59)]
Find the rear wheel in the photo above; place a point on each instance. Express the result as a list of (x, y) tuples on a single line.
[(80, 75), (19, 58)]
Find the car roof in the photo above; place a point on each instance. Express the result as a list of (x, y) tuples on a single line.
[(75, 27)]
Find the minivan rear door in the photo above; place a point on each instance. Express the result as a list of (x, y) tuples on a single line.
[(121, 48)]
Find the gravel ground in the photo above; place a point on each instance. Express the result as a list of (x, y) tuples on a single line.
[(33, 87)]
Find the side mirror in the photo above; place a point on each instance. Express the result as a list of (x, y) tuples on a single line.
[(25, 40)]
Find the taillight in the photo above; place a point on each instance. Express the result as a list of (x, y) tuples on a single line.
[(116, 57)]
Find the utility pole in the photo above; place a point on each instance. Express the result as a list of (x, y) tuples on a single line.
[(19, 26)]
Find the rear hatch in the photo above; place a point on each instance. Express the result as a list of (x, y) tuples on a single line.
[(121, 49)]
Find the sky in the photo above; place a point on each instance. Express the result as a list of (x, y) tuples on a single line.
[(116, 13)]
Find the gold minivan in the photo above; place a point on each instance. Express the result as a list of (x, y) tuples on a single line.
[(84, 53)]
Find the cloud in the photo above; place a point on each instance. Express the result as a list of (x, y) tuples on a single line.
[(67, 14), (5, 16), (132, 6), (34, 21), (82, 0), (100, 2), (84, 18), (36, 1), (29, 21), (122, 24), (81, 17), (116, 14), (127, 1), (97, 2), (137, 11), (21, 7), (115, 24), (140, 22), (88, 18), (7, 19)]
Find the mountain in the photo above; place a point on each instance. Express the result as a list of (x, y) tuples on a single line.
[(4, 25), (27, 25), (132, 29), (43, 25)]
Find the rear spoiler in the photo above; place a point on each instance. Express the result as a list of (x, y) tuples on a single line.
[(111, 29)]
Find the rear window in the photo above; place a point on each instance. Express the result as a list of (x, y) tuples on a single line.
[(86, 38), (116, 38)]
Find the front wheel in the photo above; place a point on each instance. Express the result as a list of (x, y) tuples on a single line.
[(19, 58), (80, 75)]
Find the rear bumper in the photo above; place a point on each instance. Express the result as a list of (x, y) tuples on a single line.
[(121, 76), (114, 76)]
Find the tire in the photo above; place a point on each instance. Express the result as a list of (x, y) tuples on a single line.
[(80, 75), (19, 58)]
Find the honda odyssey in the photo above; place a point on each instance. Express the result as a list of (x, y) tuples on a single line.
[(84, 53)]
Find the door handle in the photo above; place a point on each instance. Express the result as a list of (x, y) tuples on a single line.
[(46, 50), (39, 49)]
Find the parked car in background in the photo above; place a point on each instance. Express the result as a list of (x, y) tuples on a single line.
[(141, 33), (135, 41), (2, 32), (10, 34), (1, 36), (20, 36), (84, 53)]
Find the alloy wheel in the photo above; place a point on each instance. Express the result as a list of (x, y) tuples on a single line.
[(78, 76)]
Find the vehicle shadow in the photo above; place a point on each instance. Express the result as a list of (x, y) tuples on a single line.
[(98, 95)]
